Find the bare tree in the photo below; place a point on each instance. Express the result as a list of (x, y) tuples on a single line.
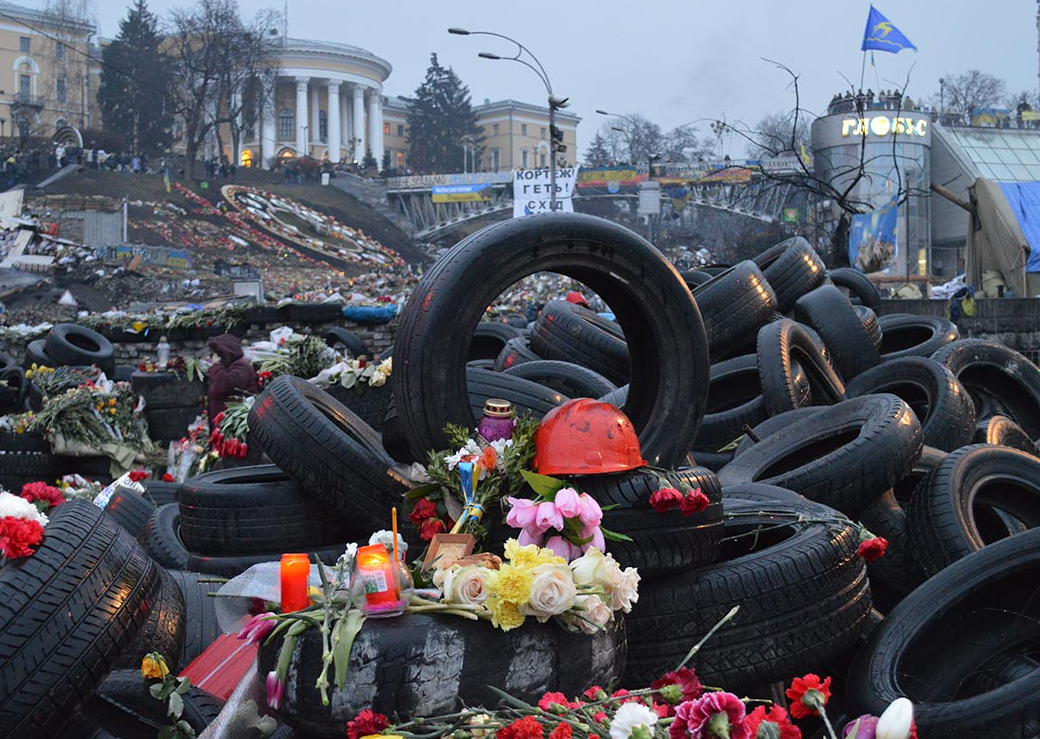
[(971, 91), (683, 145), (638, 139), (773, 135)]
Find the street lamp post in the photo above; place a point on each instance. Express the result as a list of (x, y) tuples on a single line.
[(554, 102), (942, 96)]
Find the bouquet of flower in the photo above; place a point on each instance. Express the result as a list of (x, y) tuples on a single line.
[(94, 414), (228, 439), (299, 356), (355, 373), (21, 526), (189, 366), (52, 382), (77, 487)]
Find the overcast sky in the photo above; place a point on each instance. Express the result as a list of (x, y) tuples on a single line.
[(670, 60)]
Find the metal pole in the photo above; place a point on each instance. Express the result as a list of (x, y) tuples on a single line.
[(552, 156)]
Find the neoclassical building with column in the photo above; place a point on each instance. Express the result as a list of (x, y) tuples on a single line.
[(328, 103)]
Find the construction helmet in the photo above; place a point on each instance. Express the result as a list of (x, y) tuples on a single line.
[(586, 437)]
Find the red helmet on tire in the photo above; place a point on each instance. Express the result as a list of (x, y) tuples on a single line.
[(586, 437)]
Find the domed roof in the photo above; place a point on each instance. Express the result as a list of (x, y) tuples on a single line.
[(297, 53)]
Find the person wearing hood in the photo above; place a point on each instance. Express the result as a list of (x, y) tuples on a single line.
[(231, 375)]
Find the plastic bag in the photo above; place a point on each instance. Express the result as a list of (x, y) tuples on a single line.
[(236, 600)]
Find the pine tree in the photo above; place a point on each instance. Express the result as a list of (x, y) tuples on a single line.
[(597, 154), (440, 121), (369, 162), (386, 164), (134, 79)]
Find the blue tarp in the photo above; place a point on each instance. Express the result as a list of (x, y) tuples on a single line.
[(370, 314), (1024, 199)]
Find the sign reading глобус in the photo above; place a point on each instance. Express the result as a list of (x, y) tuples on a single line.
[(532, 190)]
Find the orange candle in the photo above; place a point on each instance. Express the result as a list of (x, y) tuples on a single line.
[(295, 569), (374, 568)]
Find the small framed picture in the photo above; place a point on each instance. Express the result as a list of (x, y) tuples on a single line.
[(446, 549)]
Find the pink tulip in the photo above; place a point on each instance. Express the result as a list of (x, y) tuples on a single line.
[(529, 536), (547, 517), (568, 503), (562, 548), (275, 690), (591, 514), (257, 628), (596, 534), (522, 513)]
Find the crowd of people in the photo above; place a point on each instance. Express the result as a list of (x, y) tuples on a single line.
[(862, 101)]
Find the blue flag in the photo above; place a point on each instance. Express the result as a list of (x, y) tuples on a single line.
[(883, 36)]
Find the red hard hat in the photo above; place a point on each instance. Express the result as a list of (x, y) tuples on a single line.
[(577, 298), (586, 437)]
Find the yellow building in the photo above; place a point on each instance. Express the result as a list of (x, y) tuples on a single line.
[(48, 89)]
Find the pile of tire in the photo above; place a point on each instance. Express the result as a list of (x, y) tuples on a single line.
[(72, 345), (172, 403)]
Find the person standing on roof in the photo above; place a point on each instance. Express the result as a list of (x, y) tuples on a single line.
[(230, 375)]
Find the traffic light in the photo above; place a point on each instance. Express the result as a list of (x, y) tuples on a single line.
[(557, 137)]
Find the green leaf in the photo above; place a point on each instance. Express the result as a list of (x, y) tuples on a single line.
[(183, 685), (346, 631), (156, 691), (614, 535), (543, 485), (176, 705), (610, 507), (421, 491)]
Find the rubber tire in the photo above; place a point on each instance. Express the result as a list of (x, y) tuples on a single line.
[(162, 390), (130, 510), (694, 278), (734, 305), (803, 600), (252, 510), (665, 333), (663, 543), (1002, 431), (66, 614), (792, 268), (946, 523), (124, 705), (64, 340), (526, 396), (163, 632), (781, 346), (171, 424), (569, 333), (734, 401), (18, 468), (200, 613), (36, 353), (420, 665), (938, 399), (845, 456), (516, 351), (25, 442), (871, 324), (369, 403), (773, 424), (570, 380), (231, 565), (955, 625), (489, 339), (992, 372), (334, 455), (14, 392), (162, 538), (831, 314), (353, 343), (861, 288), (161, 492), (904, 335)]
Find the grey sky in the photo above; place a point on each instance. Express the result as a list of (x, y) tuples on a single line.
[(670, 60)]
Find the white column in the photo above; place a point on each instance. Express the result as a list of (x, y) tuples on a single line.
[(236, 155), (344, 119), (334, 110), (301, 116), (315, 129), (268, 131), (358, 129), (375, 123)]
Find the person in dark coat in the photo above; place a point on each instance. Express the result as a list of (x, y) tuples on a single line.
[(232, 375)]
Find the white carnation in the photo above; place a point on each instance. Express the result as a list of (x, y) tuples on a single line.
[(13, 506), (630, 716)]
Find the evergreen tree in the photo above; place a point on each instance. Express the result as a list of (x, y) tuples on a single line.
[(369, 161), (134, 80), (597, 154), (440, 120), (386, 163)]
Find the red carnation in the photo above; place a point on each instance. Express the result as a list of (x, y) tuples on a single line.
[(665, 499), (429, 527), (562, 731), (17, 535), (775, 715), (167, 477), (808, 695), (872, 549), (366, 723), (44, 496), (694, 502), (424, 509), (696, 719), (595, 693), (559, 700), (524, 728), (138, 475), (690, 687)]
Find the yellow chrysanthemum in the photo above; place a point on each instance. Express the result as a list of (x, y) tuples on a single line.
[(504, 615), (153, 667), (530, 556), (139, 325), (514, 583)]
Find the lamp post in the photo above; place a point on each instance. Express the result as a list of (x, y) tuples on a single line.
[(554, 101), (942, 97), (628, 134)]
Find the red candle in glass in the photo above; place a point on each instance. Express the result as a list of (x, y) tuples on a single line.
[(374, 568), (295, 568)]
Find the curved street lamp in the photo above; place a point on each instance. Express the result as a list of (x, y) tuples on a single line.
[(554, 101)]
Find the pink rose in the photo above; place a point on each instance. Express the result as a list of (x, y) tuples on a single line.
[(568, 503)]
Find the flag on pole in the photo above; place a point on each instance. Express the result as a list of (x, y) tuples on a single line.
[(883, 36), (166, 178)]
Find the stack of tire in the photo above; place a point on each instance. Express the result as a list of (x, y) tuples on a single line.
[(370, 403), (71, 345), (172, 403)]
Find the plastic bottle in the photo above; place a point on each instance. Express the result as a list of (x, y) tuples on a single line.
[(163, 350)]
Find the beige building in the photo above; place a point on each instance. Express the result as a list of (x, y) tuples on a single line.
[(48, 88)]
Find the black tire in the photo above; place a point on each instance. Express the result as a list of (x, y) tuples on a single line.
[(871, 324), (792, 268), (734, 305), (36, 353), (831, 314), (905, 335), (122, 373), (18, 468), (663, 543), (845, 456), (124, 706), (1002, 431), (200, 614), (783, 348), (170, 424), (315, 313), (761, 495), (937, 398), (802, 591), (954, 510), (566, 378), (252, 510), (131, 511), (162, 538), (355, 346), (666, 341), (333, 454), (570, 333), (617, 397), (13, 390), (997, 378), (369, 403), (467, 657), (734, 401), (66, 614), (713, 461), (72, 344), (896, 573), (695, 277), (161, 492), (526, 396), (772, 425), (162, 390), (489, 339), (861, 289), (25, 442), (952, 647), (163, 632), (231, 565), (516, 351)]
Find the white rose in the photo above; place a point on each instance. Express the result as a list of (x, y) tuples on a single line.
[(378, 379), (592, 569), (592, 614), (552, 592), (467, 585), (624, 590), (629, 716)]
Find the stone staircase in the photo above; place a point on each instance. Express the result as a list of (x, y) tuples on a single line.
[(373, 194)]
